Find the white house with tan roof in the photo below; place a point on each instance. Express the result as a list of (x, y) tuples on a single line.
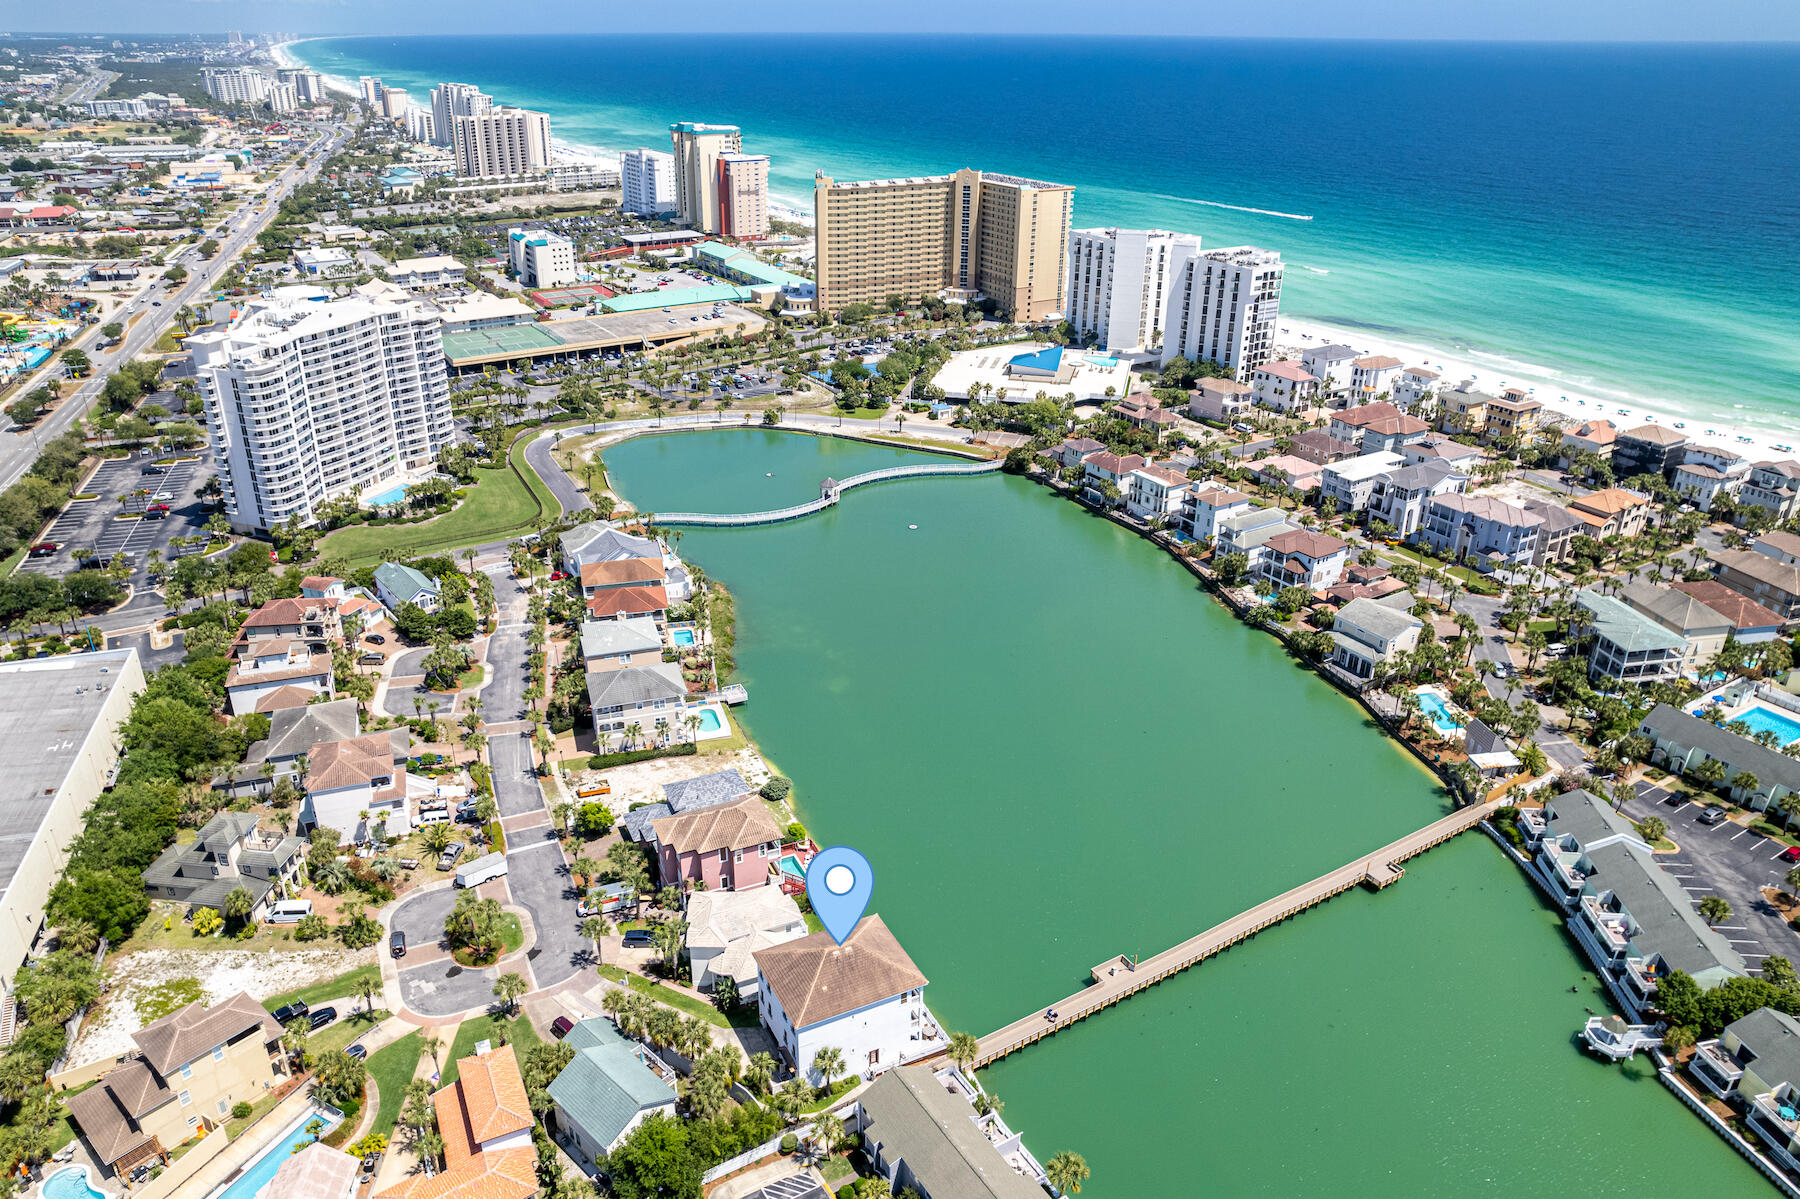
[(1774, 486), (864, 998), (1589, 437), (1303, 558), (358, 786), (1415, 388), (1373, 375), (727, 928), (1156, 491), (273, 663), (1209, 502)]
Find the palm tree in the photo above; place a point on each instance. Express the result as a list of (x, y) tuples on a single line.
[(366, 990), (78, 935), (595, 927), (510, 988), (430, 1043), (829, 1060), (964, 1047), (1066, 1172), (1714, 910), (1654, 828), (827, 1132), (762, 1066)]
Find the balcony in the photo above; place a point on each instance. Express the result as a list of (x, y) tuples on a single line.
[(1611, 929), (1775, 1118), (1717, 1070), (1642, 974)]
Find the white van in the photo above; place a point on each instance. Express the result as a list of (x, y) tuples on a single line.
[(482, 869), (290, 911)]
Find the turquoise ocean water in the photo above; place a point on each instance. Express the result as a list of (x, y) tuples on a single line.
[(1624, 219)]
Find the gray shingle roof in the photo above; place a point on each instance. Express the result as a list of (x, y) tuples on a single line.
[(1667, 922), (1774, 1037), (633, 635), (632, 685), (1738, 753), (684, 795), (608, 1082), (1384, 620), (1624, 625), (597, 541), (916, 1120), (293, 731), (1585, 817)]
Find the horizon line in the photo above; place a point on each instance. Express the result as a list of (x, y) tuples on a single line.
[(964, 34)]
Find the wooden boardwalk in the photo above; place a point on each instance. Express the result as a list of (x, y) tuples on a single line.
[(828, 498), (1118, 978)]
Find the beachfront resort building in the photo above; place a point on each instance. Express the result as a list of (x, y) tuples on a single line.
[(647, 178), (744, 196), (540, 258), (501, 143), (963, 236), (1118, 283), (62, 717), (865, 998), (307, 397), (1223, 307), (236, 85), (451, 102), (718, 188)]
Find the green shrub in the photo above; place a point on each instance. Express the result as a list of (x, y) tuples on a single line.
[(777, 789), (240, 1110), (789, 1143), (796, 831), (603, 761)]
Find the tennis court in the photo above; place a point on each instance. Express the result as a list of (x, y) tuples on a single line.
[(499, 341)]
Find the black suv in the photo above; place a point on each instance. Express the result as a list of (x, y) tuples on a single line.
[(397, 944), (322, 1017), (288, 1011)]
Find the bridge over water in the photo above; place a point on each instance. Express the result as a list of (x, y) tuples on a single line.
[(829, 491), (1119, 978)]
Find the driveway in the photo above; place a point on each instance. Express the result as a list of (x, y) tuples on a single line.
[(540, 883), (407, 683), (571, 497), (1728, 860), (431, 983), (149, 659)]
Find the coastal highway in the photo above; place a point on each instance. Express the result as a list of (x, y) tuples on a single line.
[(19, 449)]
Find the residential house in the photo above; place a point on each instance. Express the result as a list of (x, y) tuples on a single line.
[(1464, 458), (640, 695), (1774, 487), (485, 1120), (1704, 629), (1073, 450), (397, 584), (1285, 386), (1156, 493), (1768, 580), (1480, 527), (228, 852), (726, 928), (1572, 824), (1373, 376), (1707, 472), (1208, 504), (612, 644), (1352, 481), (620, 572), (629, 603), (607, 1089), (1559, 528), (864, 998), (683, 795), (1399, 495), (1376, 427), (310, 620), (1105, 467), (358, 786), (1512, 413), (921, 1131), (1369, 633), (1751, 622), (315, 1171), (1590, 437), (292, 734), (1462, 409), (1334, 367), (1626, 646), (1318, 446), (1614, 512), (1297, 473), (1220, 401), (725, 847), (1685, 742), (1143, 412), (276, 673), (1783, 547), (1753, 1056), (1303, 558), (188, 1070), (598, 541), (1248, 533), (1415, 389), (1648, 450)]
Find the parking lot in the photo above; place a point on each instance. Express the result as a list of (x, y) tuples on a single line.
[(1729, 860), (96, 524)]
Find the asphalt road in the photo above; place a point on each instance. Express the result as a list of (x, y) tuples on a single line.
[(17, 452), (540, 883)]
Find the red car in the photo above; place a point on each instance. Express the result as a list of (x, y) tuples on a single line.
[(560, 1027), (557, 576), (42, 549), (1791, 854)]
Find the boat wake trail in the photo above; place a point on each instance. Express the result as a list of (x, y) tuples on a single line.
[(1286, 216)]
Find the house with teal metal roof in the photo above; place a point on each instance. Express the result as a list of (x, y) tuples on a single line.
[(397, 584), (609, 1087)]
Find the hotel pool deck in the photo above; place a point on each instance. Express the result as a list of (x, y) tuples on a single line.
[(1438, 709), (1763, 718)]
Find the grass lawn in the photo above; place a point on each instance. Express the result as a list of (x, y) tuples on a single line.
[(500, 505), (681, 1001), (234, 1127), (839, 1089), (345, 1029), (517, 1033), (837, 1169), (331, 988), (1475, 581), (392, 1068), (165, 931), (512, 937), (725, 745)]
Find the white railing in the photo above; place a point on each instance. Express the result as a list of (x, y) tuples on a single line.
[(777, 515)]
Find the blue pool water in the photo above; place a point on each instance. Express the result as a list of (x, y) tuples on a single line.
[(1784, 726), (257, 1176), (392, 495), (1102, 360), (71, 1183), (709, 721), (790, 866), (1437, 711), (682, 636)]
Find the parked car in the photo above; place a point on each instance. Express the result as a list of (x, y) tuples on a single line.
[(452, 852), (156, 470), (1791, 854), (557, 576), (397, 944), (465, 811), (357, 1052), (559, 1027), (1712, 816), (43, 549), (322, 1017), (375, 639), (638, 938), (288, 1011)]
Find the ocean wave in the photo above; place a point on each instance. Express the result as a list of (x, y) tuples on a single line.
[(1286, 216)]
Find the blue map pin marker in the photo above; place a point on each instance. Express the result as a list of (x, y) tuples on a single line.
[(838, 882)]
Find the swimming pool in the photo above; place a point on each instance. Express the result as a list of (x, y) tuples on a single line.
[(709, 721), (682, 636), (71, 1183), (790, 866), (392, 495), (1437, 711), (257, 1175), (1785, 727)]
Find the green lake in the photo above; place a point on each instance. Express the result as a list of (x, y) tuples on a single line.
[(1054, 747)]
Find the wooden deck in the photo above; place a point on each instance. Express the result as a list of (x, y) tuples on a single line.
[(1117, 978)]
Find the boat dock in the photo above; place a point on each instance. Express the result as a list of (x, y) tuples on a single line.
[(1120, 977), (829, 492), (731, 693)]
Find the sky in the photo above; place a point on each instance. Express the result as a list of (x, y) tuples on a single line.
[(1478, 20)]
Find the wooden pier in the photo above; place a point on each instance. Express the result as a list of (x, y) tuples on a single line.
[(1118, 978)]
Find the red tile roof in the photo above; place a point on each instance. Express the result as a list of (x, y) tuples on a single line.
[(626, 601)]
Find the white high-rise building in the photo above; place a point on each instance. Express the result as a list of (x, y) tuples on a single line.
[(309, 86), (452, 100), (648, 181), (370, 89), (1223, 305), (1118, 283), (307, 397), (420, 124), (235, 85), (541, 258), (506, 141), (283, 97), (697, 152)]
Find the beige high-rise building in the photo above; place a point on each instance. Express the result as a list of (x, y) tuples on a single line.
[(697, 149), (744, 195), (503, 142), (997, 235)]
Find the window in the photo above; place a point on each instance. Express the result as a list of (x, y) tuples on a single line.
[(218, 1053), (224, 1106), (184, 1099), (187, 1069), (193, 1121)]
